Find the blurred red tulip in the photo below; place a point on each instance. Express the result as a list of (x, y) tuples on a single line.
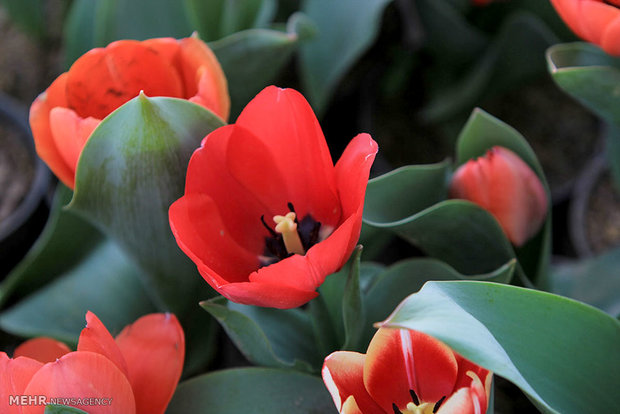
[(596, 21), (63, 117), (406, 371), (266, 216), (505, 186), (135, 373)]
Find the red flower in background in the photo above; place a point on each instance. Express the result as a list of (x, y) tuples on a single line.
[(596, 21), (63, 117), (139, 370), (406, 371), (266, 216), (505, 186)]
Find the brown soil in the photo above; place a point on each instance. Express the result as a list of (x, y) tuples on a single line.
[(16, 171), (603, 219)]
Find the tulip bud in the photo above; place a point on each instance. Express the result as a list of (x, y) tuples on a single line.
[(505, 186)]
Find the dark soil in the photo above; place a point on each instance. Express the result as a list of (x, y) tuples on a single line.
[(603, 218), (16, 171)]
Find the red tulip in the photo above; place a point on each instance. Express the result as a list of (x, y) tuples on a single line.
[(138, 371), (63, 117), (406, 371), (596, 21), (504, 185), (266, 216)]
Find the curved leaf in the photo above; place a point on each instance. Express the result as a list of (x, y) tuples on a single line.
[(563, 354), (130, 171), (62, 409), (255, 390)]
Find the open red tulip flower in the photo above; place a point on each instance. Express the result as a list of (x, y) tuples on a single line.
[(266, 215), (504, 185), (596, 21), (406, 372), (63, 117), (136, 372)]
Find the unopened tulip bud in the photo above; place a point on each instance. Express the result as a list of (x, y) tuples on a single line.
[(505, 186)]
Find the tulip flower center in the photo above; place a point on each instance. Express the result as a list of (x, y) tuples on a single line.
[(415, 407), (291, 236)]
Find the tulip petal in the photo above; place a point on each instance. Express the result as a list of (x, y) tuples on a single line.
[(266, 294), (103, 79), (350, 407), (70, 133), (42, 349), (95, 337), (40, 124), (460, 402), (343, 374), (399, 360), (595, 17), (284, 121), (81, 375), (16, 374), (154, 348), (571, 15), (609, 41)]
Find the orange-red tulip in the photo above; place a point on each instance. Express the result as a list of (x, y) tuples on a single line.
[(504, 185), (406, 372), (266, 215), (596, 21), (63, 117), (135, 373)]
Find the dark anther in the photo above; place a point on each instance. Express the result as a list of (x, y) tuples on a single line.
[(438, 404), (414, 397), (395, 408), (292, 208), (271, 231)]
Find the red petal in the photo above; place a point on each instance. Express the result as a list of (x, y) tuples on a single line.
[(400, 360), (569, 12), (459, 403), (203, 76), (343, 376), (350, 407), (103, 79), (42, 133), (83, 375), (201, 234), (154, 348), (16, 374), (41, 349), (609, 41), (283, 120), (96, 338), (266, 294), (595, 17)]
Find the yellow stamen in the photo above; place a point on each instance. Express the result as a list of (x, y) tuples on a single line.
[(286, 226), (423, 408)]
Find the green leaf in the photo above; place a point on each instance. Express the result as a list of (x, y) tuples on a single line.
[(408, 276), (405, 191), (563, 354), (130, 171), (346, 28), (29, 15), (62, 409), (215, 19), (255, 390), (352, 305), (65, 236), (281, 338), (594, 281), (253, 58), (105, 282)]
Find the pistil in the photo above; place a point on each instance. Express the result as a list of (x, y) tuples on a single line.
[(287, 227)]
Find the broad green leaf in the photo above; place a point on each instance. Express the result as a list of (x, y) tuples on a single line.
[(215, 19), (252, 59), (130, 171), (105, 282), (482, 132), (353, 305), (255, 390), (346, 28), (281, 338), (29, 15), (65, 240), (594, 281), (405, 191), (62, 409), (408, 276), (563, 354)]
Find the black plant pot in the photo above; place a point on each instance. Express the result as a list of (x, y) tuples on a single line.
[(20, 228)]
